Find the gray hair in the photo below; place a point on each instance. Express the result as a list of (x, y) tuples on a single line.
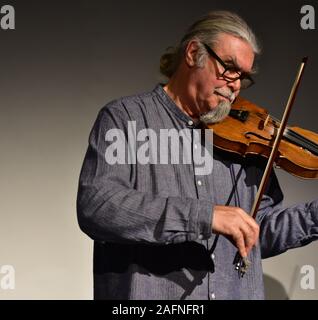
[(207, 30)]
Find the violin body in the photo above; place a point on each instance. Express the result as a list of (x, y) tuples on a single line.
[(249, 131)]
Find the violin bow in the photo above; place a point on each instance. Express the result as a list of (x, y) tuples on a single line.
[(242, 263)]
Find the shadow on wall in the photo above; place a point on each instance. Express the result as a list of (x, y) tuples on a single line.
[(274, 290)]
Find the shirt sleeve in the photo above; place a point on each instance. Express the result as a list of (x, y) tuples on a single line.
[(110, 209), (281, 228)]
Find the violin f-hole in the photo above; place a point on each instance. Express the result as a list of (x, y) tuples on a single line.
[(248, 134)]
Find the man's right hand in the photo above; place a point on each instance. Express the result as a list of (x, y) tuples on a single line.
[(236, 225)]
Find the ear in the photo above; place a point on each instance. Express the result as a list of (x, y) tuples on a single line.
[(191, 53)]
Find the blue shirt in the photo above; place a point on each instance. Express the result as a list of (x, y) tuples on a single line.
[(151, 222)]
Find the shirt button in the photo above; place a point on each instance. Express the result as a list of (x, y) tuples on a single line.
[(213, 297), (201, 236), (190, 123), (195, 146), (213, 256), (199, 183)]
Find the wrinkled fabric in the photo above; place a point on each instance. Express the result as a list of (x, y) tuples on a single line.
[(151, 223)]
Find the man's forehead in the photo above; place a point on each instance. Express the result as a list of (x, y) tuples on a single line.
[(236, 50)]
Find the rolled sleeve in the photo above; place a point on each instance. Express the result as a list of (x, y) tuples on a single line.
[(289, 228), (199, 223)]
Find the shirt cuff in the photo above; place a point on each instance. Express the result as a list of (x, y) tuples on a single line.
[(200, 225)]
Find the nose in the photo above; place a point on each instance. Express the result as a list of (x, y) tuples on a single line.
[(235, 85)]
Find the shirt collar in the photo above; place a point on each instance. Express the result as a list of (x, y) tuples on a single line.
[(170, 104)]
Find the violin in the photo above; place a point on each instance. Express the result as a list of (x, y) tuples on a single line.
[(250, 130)]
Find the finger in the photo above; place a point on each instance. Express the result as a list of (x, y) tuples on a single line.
[(249, 229), (249, 240), (240, 244), (248, 219), (248, 236), (254, 227)]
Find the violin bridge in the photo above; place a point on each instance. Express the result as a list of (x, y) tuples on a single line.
[(266, 121)]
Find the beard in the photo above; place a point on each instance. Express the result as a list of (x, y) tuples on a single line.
[(218, 114), (222, 110)]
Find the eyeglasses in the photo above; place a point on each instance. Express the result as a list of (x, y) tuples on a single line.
[(231, 73)]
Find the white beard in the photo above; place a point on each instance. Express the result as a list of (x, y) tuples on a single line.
[(218, 114)]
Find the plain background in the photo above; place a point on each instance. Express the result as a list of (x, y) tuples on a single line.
[(65, 61)]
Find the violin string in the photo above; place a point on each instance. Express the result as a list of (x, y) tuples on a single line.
[(297, 134), (299, 139)]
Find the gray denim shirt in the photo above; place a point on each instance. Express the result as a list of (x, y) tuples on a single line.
[(151, 222)]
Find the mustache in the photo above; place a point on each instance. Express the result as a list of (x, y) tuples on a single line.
[(226, 92)]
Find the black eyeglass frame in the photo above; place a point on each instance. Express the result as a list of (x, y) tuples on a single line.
[(241, 75)]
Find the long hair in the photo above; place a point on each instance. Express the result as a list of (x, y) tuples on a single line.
[(207, 30)]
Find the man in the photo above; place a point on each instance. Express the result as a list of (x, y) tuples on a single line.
[(167, 230)]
